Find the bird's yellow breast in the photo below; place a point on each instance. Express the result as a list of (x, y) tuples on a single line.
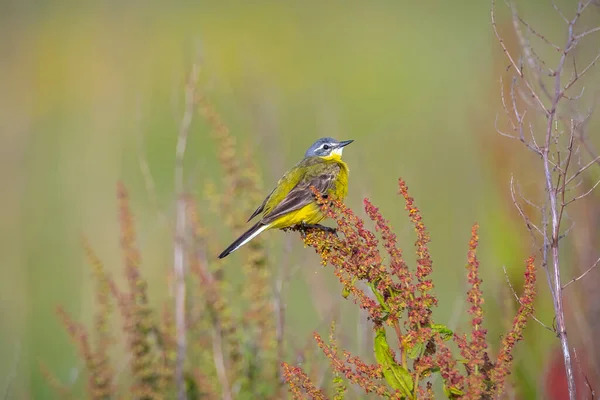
[(309, 214), (340, 188)]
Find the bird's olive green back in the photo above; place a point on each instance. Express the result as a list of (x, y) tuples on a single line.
[(329, 175)]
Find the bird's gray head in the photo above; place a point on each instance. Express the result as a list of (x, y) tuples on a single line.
[(326, 147)]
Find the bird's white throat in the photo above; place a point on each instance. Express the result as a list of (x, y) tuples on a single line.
[(338, 151)]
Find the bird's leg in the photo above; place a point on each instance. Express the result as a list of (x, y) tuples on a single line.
[(329, 229)]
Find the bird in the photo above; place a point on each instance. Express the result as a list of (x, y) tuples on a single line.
[(292, 202)]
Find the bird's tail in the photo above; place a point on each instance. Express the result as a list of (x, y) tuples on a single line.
[(245, 238)]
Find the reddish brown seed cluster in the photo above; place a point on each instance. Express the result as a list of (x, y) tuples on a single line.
[(474, 351), (355, 370), (504, 363), (399, 294), (301, 386), (448, 366)]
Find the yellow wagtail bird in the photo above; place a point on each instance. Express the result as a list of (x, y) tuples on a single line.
[(292, 202)]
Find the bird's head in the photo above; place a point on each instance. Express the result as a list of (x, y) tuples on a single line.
[(327, 147)]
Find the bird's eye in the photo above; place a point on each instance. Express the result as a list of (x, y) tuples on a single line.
[(326, 147)]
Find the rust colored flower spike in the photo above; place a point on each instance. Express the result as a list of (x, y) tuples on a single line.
[(424, 264), (397, 294), (137, 313), (300, 384), (526, 309), (475, 350), (398, 266), (356, 371)]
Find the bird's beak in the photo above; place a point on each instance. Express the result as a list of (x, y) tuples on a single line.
[(345, 143)]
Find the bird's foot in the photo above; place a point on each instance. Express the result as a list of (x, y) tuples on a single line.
[(305, 226)]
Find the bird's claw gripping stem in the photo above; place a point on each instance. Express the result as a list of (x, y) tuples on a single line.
[(304, 226)]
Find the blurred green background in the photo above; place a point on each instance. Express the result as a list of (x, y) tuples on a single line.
[(92, 91)]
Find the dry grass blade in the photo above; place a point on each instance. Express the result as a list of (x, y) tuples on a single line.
[(178, 247)]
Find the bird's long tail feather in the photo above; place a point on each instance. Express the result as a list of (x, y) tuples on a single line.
[(244, 238)]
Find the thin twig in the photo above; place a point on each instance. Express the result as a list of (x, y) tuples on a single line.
[(560, 13), (582, 275), (574, 199), (520, 119), (583, 72), (530, 226), (584, 34), (514, 292), (542, 37), (587, 381), (583, 169), (518, 69)]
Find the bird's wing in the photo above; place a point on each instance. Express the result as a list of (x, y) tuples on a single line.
[(287, 182), (262, 206), (301, 194)]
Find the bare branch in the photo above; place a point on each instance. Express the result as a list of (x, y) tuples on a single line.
[(535, 144), (575, 98), (530, 55), (556, 157), (555, 214), (580, 128), (582, 6), (583, 169), (587, 383), (542, 37), (560, 13), (563, 175), (503, 133), (530, 226), (518, 128), (584, 34), (574, 199), (518, 69), (582, 73), (501, 41), (514, 292), (582, 275), (526, 200)]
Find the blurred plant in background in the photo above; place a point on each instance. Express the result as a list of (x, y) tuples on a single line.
[(233, 350)]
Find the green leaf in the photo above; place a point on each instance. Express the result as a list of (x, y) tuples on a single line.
[(346, 290), (434, 370), (397, 376), (452, 392), (443, 330), (340, 388), (379, 296), (416, 350)]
